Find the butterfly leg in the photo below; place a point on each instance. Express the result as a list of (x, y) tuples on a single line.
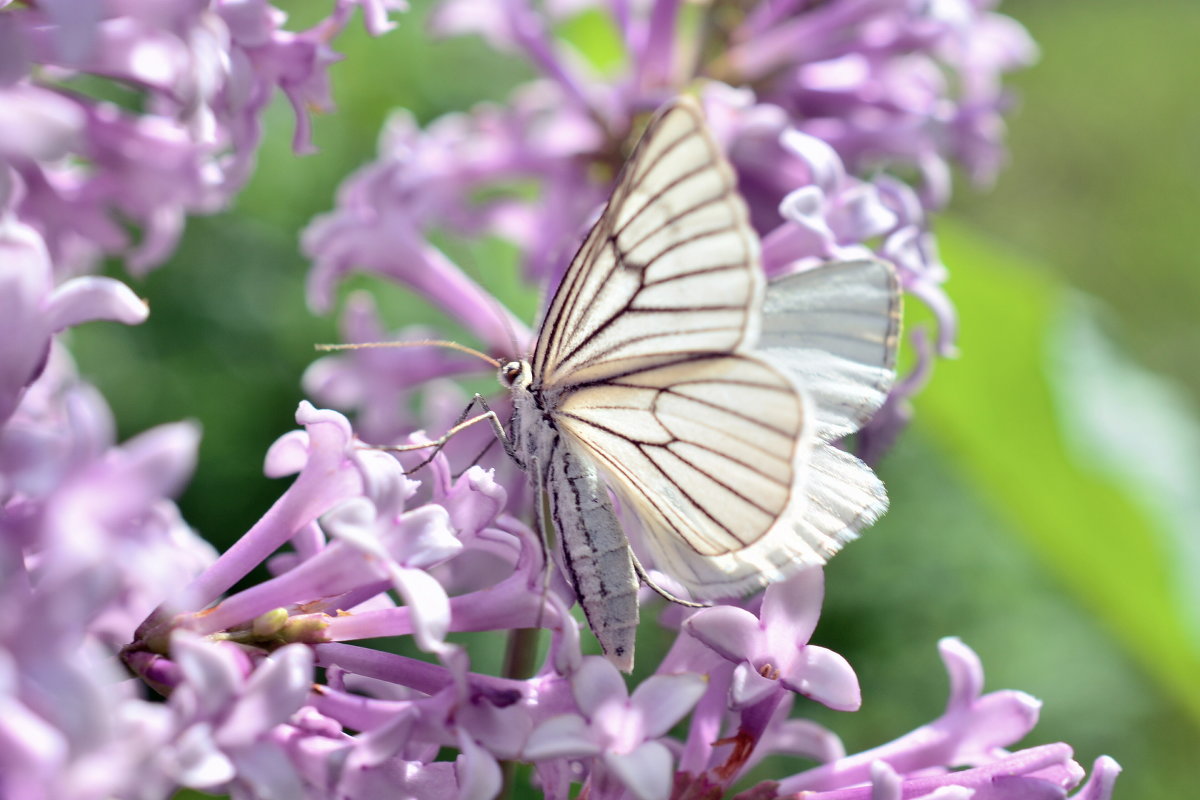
[(645, 578), (461, 424)]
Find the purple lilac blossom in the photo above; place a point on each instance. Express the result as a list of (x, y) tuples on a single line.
[(369, 560), (93, 542), (202, 73), (822, 109)]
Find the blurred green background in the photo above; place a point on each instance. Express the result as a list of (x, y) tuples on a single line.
[(1045, 502)]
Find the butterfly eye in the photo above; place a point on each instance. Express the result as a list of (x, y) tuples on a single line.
[(510, 372)]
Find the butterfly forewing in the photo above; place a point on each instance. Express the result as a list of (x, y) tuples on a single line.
[(671, 267)]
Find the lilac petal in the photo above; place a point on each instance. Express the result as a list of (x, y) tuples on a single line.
[(663, 700), (862, 214), (965, 671), (38, 123), (997, 720), (428, 604), (824, 164), (734, 633), (91, 298), (428, 538), (198, 762), (885, 783), (824, 676), (563, 736), (806, 208), (375, 14), (207, 667), (748, 687), (274, 692), (596, 684), (287, 455), (961, 793), (475, 500), (25, 280), (26, 737), (1012, 787), (486, 18), (307, 414), (800, 737), (479, 776), (384, 480), (162, 459), (646, 772), (1100, 785), (266, 771), (353, 521), (790, 609), (377, 745)]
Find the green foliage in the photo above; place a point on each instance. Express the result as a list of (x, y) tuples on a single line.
[(994, 413)]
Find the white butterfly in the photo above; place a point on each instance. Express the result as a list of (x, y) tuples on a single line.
[(667, 371)]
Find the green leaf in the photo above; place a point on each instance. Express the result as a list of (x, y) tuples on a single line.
[(1015, 413)]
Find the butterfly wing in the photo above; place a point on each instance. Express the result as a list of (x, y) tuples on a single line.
[(708, 451), (835, 329), (645, 360), (670, 268)]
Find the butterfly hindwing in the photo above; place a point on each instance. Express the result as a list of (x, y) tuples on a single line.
[(709, 448), (835, 330)]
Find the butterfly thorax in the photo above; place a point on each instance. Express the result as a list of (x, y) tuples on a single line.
[(532, 427)]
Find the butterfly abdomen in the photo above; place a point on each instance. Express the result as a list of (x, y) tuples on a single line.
[(595, 552)]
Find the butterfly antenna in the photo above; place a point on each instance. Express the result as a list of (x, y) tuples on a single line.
[(462, 348)]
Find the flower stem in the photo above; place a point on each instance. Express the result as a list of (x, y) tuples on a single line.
[(520, 661)]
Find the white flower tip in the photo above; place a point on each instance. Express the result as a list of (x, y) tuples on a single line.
[(94, 298), (287, 455)]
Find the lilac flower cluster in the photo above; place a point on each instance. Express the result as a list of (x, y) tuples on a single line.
[(96, 563), (144, 111), (378, 555), (822, 109), (114, 117)]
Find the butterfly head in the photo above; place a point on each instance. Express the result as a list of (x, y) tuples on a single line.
[(516, 373)]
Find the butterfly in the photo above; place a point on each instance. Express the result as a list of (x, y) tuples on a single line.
[(666, 370)]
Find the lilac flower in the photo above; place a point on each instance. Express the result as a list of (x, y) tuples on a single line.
[(896, 83), (91, 543), (973, 731), (33, 309), (619, 730), (359, 548), (360, 532), (772, 650), (203, 72), (227, 720)]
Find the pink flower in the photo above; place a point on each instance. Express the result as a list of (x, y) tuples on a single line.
[(772, 650)]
